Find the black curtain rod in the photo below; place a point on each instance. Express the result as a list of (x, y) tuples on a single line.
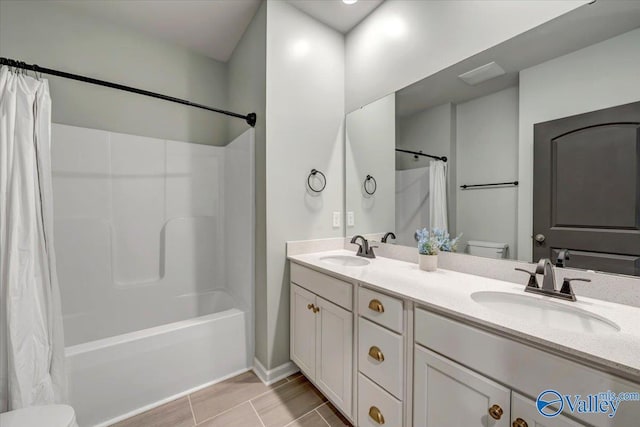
[(249, 118), (514, 183), (416, 153)]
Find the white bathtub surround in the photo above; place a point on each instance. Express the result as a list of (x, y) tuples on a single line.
[(449, 292), (31, 338), (272, 376), (412, 201), (154, 242)]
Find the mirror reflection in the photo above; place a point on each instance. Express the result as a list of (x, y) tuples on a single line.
[(526, 149)]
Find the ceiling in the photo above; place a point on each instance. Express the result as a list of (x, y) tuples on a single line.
[(580, 28), (211, 27), (335, 13)]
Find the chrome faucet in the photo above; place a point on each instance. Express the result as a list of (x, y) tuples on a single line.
[(545, 268), (364, 250)]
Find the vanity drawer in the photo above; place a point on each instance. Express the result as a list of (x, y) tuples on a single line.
[(377, 342), (381, 309), (377, 407), (337, 291)]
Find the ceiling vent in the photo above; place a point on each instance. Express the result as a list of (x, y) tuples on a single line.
[(482, 74)]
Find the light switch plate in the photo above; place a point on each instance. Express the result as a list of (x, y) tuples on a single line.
[(351, 220), (336, 219)]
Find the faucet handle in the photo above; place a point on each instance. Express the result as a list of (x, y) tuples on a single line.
[(566, 285), (533, 282)]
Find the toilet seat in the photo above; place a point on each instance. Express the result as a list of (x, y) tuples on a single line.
[(40, 416)]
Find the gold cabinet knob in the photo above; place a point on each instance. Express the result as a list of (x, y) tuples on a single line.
[(496, 412), (376, 305), (519, 422), (376, 353), (376, 415), (316, 309), (310, 306)]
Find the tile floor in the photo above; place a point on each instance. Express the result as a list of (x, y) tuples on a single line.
[(244, 401)]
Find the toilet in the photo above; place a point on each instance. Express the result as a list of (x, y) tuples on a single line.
[(487, 249), (40, 416)]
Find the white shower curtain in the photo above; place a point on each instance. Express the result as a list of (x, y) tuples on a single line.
[(438, 195), (31, 337)]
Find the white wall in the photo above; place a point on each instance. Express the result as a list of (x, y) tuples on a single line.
[(487, 139), (599, 76), (370, 150), (52, 35), (404, 41), (434, 132), (248, 92), (305, 115)]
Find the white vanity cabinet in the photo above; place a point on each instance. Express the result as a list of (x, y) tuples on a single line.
[(453, 358), (447, 394), (322, 334), (383, 359)]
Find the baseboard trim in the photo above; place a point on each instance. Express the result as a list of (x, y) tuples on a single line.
[(270, 376)]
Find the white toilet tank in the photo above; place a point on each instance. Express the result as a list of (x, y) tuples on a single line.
[(487, 249)]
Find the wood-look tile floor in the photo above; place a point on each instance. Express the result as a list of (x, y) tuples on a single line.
[(244, 401)]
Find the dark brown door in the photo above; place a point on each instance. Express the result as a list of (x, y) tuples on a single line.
[(586, 189)]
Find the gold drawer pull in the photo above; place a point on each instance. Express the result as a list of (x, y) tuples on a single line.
[(316, 309), (496, 412), (376, 415), (519, 422), (376, 353), (376, 305), (310, 307)]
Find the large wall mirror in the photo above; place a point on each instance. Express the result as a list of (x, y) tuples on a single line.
[(528, 148)]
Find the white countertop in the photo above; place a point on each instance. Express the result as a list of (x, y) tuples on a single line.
[(450, 292)]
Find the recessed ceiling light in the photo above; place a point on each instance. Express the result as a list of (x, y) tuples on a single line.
[(349, 1)]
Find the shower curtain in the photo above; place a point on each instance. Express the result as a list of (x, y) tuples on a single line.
[(438, 195), (31, 337)]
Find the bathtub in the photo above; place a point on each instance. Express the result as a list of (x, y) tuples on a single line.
[(114, 378), (154, 254)]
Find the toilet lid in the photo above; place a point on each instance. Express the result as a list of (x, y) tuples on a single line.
[(39, 416)]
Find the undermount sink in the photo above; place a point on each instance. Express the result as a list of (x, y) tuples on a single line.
[(545, 312), (345, 260)]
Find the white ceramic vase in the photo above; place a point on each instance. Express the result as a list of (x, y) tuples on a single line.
[(428, 262)]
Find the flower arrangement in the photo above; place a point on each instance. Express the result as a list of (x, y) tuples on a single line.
[(430, 243)]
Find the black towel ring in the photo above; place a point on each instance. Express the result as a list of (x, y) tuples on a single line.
[(313, 173), (375, 185)]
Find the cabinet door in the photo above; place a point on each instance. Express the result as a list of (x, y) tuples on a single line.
[(335, 353), (303, 330), (447, 394), (525, 414)]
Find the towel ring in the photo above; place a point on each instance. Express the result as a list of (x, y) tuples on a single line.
[(313, 173), (375, 185)]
